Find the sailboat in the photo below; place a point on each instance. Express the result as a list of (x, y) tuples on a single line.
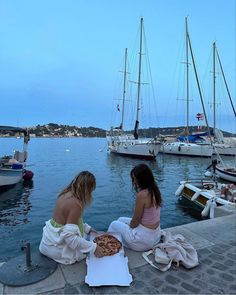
[(219, 167), (130, 145), (220, 146), (189, 145)]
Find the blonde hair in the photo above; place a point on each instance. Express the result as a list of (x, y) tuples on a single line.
[(81, 187)]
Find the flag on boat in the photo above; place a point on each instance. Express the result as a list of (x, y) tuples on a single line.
[(200, 116)]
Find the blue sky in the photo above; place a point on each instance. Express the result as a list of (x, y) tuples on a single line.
[(60, 60)]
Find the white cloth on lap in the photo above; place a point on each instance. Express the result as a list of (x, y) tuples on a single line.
[(65, 244)]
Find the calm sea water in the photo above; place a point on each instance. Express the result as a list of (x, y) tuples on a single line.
[(55, 161)]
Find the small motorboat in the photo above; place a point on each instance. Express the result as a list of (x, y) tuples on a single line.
[(226, 172), (207, 194), (222, 170), (13, 167)]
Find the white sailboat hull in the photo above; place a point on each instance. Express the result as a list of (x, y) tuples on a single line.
[(135, 148), (187, 149), (224, 149)]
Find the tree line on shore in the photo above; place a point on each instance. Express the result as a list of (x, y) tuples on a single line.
[(58, 130)]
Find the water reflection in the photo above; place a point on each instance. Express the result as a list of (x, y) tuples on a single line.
[(15, 204)]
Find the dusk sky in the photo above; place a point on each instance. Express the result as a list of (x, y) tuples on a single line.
[(60, 60)]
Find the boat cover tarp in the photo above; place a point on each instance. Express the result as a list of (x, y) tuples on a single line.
[(192, 138)]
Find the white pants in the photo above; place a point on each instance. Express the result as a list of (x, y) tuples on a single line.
[(139, 238)]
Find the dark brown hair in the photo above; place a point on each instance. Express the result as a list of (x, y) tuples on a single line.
[(145, 179)]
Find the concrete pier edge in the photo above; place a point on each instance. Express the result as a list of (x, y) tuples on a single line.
[(214, 240)]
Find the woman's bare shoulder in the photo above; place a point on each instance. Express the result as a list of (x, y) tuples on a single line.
[(143, 193)]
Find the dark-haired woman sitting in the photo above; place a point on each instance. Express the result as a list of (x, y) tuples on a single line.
[(142, 231)]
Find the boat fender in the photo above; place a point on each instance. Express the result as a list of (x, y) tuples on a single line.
[(28, 175), (206, 209), (179, 148), (196, 195), (212, 208), (179, 190), (208, 173)]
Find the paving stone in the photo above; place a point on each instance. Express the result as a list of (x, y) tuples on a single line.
[(220, 266), (210, 271), (231, 255), (125, 290), (150, 290), (156, 283), (220, 249), (148, 275), (207, 261), (229, 262), (172, 280), (233, 288), (227, 277), (70, 289), (135, 288), (200, 284), (215, 290), (215, 256), (105, 290), (83, 288), (232, 243), (168, 289), (218, 282), (184, 275), (204, 251), (190, 288), (54, 292)]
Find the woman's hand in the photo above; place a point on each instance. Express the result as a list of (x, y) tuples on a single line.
[(92, 230), (99, 252)]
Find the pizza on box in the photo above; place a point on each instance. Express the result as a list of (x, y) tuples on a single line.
[(109, 244)]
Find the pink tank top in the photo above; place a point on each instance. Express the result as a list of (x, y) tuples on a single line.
[(151, 215)]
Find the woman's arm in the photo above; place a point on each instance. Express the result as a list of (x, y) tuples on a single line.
[(138, 211)]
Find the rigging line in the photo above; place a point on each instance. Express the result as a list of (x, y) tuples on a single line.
[(225, 82), (151, 79)]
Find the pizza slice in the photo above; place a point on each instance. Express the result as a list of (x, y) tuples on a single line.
[(110, 244)]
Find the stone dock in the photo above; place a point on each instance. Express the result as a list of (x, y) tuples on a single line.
[(214, 240)]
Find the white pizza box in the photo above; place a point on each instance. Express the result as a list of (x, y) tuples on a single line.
[(108, 270)]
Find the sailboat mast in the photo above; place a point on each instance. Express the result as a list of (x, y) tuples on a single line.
[(199, 88), (124, 91), (139, 82), (214, 88), (187, 79), (227, 88)]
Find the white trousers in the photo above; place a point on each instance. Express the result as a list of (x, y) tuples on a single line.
[(139, 238)]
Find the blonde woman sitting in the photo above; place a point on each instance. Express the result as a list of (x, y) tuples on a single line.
[(63, 237)]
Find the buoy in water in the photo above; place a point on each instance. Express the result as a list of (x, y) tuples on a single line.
[(28, 175)]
